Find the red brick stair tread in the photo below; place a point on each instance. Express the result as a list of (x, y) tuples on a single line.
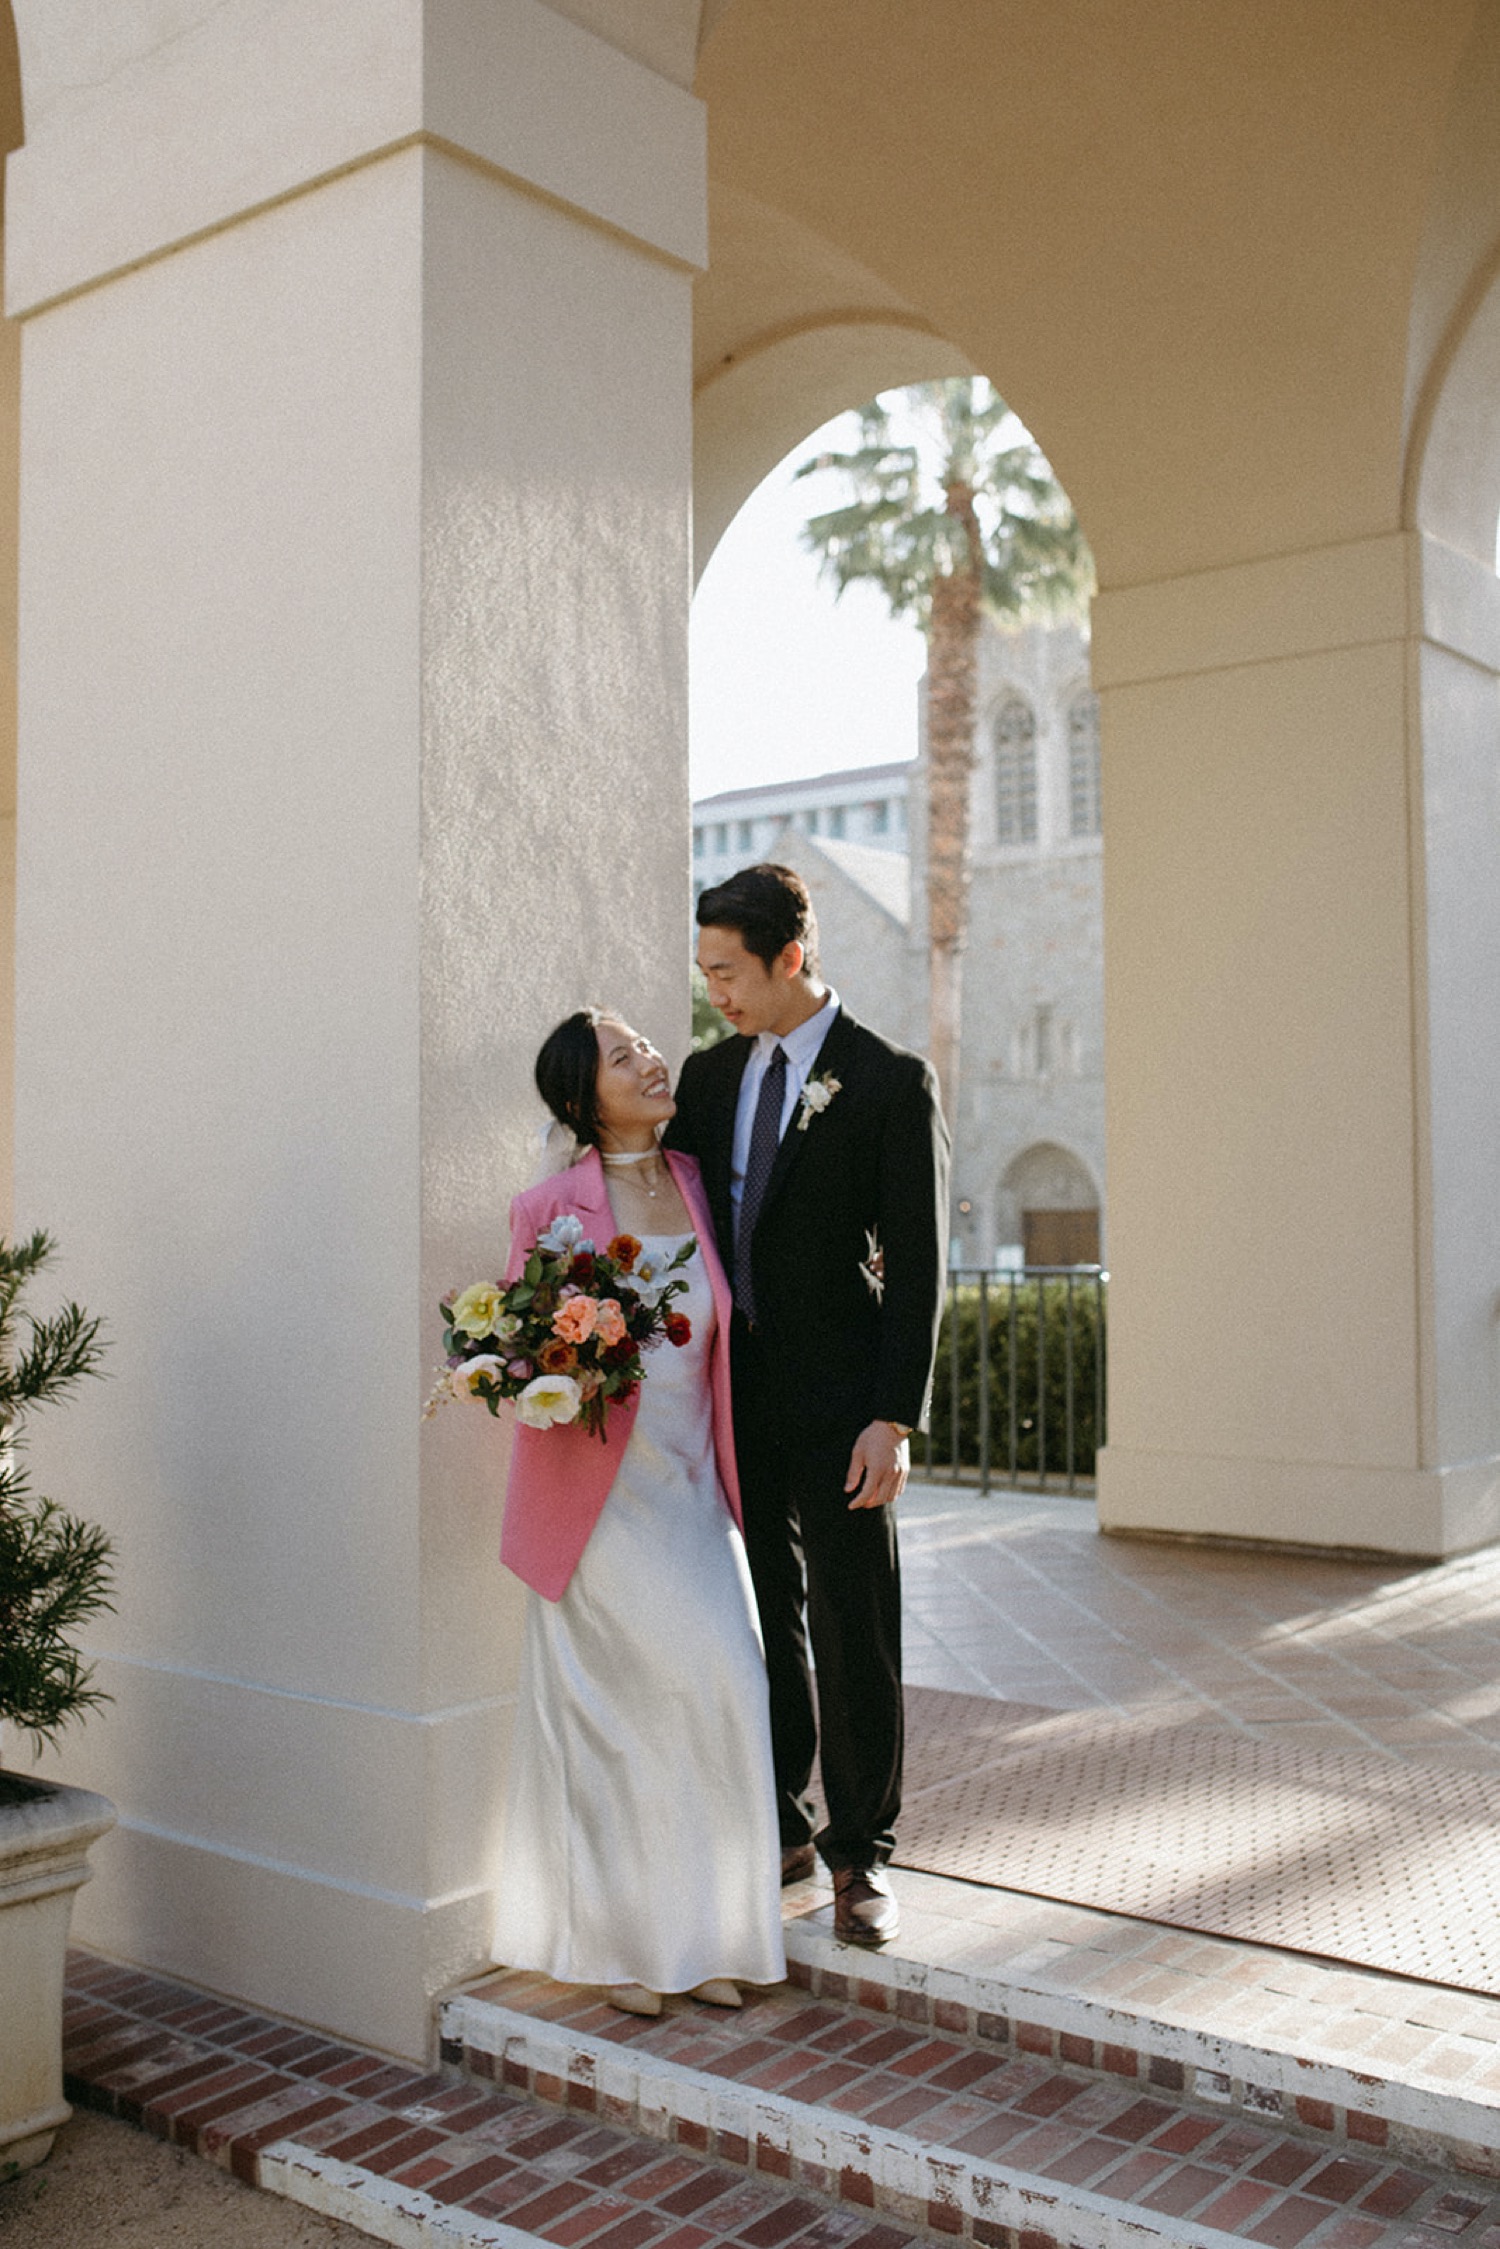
[(580, 2175)]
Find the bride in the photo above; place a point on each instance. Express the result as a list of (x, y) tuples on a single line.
[(641, 1842)]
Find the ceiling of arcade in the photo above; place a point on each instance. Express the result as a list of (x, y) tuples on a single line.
[(1192, 245), (1225, 260)]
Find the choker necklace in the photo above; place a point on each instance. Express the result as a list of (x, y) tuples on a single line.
[(642, 1156)]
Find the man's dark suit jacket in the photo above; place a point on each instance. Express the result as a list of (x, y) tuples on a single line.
[(874, 1161)]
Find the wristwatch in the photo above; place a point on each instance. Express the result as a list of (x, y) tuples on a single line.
[(902, 1429)]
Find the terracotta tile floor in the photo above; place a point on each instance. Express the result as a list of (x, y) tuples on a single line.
[(1020, 1597)]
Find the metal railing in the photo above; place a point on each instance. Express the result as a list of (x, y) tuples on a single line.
[(1020, 1389)]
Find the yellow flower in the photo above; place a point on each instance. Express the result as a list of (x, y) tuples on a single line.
[(477, 1309)]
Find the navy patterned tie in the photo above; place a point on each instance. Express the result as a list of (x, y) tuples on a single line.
[(765, 1139)]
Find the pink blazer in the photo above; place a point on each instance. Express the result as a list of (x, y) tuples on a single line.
[(560, 1478)]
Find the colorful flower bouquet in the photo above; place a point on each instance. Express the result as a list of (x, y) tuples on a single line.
[(564, 1342)]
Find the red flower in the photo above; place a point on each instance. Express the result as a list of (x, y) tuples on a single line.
[(557, 1358), (679, 1329), (582, 1268), (617, 1354), (622, 1251)]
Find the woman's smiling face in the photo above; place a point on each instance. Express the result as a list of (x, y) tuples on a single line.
[(633, 1089)]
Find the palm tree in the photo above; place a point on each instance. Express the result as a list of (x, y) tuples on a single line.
[(962, 517)]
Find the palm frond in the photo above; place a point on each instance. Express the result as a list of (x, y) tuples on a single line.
[(899, 530)]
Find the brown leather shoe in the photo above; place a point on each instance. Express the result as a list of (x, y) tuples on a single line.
[(864, 1911), (798, 1861)]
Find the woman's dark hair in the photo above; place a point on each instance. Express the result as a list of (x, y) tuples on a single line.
[(567, 1073), (770, 908)]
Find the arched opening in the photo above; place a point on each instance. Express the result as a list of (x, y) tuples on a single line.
[(755, 403), (1048, 1202), (1031, 999)]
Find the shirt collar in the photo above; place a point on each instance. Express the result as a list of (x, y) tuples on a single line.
[(802, 1046)]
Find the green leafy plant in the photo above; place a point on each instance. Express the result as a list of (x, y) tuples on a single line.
[(55, 1570), (1028, 1327)]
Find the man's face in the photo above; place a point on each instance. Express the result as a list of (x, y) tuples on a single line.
[(750, 994)]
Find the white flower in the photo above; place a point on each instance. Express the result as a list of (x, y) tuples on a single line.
[(647, 1281), (463, 1378), (551, 1399), (564, 1234), (816, 1095)]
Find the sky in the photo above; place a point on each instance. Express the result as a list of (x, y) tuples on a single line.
[(786, 681)]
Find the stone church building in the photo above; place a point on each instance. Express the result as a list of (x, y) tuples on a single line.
[(1028, 1169)]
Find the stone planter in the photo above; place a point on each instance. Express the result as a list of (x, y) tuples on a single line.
[(45, 1833)]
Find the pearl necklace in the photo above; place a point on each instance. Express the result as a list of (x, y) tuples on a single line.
[(644, 1156)]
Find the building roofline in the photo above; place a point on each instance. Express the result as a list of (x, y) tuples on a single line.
[(849, 777)]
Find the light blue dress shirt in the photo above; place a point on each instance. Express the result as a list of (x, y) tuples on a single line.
[(801, 1048)]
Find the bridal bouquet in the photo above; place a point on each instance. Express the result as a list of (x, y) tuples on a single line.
[(564, 1342)]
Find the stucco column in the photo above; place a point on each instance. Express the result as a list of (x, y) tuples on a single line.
[(1302, 973), (353, 753)]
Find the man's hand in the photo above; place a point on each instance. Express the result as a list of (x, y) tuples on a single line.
[(878, 1466)]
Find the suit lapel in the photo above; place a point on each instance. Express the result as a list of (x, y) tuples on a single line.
[(717, 1157)]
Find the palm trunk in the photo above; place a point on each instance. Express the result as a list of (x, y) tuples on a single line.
[(952, 691)]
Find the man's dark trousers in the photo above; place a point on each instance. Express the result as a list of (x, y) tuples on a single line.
[(797, 1517)]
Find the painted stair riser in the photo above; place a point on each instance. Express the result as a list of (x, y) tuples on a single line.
[(1239, 2075)]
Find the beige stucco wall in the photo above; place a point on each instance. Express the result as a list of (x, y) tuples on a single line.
[(356, 537)]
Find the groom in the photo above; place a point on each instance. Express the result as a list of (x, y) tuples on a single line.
[(825, 1160)]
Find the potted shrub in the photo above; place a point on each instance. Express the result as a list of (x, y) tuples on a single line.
[(54, 1572)]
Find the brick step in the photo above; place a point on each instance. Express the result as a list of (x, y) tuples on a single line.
[(1394, 2090), (932, 2115), (418, 2159)]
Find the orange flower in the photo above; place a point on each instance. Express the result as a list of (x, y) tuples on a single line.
[(623, 1251), (557, 1358), (574, 1319), (609, 1321)]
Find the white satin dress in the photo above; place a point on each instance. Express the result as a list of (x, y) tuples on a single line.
[(641, 1840)]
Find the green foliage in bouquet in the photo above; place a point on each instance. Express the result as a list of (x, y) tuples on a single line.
[(55, 1571)]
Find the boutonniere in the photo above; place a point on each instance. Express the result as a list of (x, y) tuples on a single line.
[(816, 1095), (872, 1265)]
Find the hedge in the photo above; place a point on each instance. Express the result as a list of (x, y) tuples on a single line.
[(1014, 1327)]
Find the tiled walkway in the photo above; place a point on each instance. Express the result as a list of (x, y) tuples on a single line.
[(1103, 2079), (1019, 1597)]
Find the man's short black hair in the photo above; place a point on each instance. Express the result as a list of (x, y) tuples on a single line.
[(770, 908)]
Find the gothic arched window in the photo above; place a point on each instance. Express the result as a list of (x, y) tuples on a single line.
[(1015, 772), (1085, 812)]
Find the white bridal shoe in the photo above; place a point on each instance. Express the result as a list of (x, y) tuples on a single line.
[(637, 1999), (718, 1991)]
